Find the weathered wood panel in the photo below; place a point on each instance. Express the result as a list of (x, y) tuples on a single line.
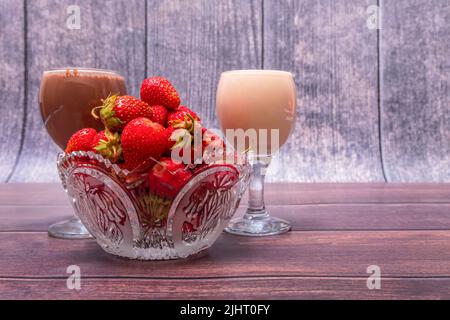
[(416, 90), (315, 264), (316, 217), (112, 36), (192, 41), (325, 43), (333, 54), (52, 194), (32, 218), (12, 83), (227, 288), (326, 254)]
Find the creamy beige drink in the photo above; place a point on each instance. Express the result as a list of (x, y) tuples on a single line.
[(257, 99), (261, 103)]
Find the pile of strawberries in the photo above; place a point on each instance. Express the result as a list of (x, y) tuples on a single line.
[(141, 134)]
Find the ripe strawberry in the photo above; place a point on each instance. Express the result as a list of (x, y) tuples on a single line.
[(143, 141), (159, 114), (81, 140), (191, 157), (181, 140), (181, 118), (170, 142), (159, 91), (108, 145), (117, 111), (188, 227), (211, 139), (215, 150), (166, 178)]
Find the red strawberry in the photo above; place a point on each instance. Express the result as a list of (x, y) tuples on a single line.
[(214, 148), (143, 141), (210, 138), (81, 140), (181, 139), (117, 111), (170, 142), (188, 227), (181, 117), (190, 159), (166, 178), (108, 145), (159, 115), (159, 91)]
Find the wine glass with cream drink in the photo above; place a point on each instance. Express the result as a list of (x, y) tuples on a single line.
[(256, 110)]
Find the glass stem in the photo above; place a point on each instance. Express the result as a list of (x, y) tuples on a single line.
[(256, 207)]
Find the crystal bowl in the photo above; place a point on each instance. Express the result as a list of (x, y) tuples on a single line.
[(118, 210)]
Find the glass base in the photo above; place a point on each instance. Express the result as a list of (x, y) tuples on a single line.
[(258, 225), (69, 229)]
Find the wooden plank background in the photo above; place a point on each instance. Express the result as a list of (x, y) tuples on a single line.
[(333, 54), (416, 90), (373, 104), (112, 36), (12, 83)]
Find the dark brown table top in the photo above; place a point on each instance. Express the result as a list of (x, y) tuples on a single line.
[(338, 231)]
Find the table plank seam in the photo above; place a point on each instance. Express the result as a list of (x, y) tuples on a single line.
[(269, 205), (292, 231), (246, 277)]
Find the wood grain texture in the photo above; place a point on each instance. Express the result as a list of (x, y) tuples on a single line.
[(328, 217), (112, 36), (12, 83), (304, 254), (325, 217), (192, 41), (415, 90), (32, 218), (227, 289), (52, 194), (328, 259), (327, 45)]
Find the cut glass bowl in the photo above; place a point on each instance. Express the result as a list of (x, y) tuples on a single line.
[(119, 211)]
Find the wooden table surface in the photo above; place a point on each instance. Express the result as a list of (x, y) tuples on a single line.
[(338, 231)]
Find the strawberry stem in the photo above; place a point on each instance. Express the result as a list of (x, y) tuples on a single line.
[(94, 112)]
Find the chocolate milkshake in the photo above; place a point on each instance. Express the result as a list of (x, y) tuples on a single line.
[(67, 97)]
